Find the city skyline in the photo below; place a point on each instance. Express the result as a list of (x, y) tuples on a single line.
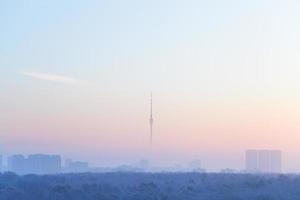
[(76, 78), (256, 162)]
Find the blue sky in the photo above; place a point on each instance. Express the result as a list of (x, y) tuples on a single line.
[(94, 62), (101, 39)]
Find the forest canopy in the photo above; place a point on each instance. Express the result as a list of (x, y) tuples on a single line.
[(134, 186)]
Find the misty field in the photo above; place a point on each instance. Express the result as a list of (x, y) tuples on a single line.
[(134, 186)]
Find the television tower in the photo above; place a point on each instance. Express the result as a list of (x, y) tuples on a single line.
[(151, 119)]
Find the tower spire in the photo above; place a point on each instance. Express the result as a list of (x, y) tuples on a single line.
[(151, 119)]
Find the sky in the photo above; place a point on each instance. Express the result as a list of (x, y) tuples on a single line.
[(76, 78)]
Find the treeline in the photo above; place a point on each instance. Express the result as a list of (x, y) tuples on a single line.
[(148, 186)]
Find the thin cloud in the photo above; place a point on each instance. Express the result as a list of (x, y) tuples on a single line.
[(52, 77)]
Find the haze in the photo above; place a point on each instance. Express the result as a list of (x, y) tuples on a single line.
[(76, 79)]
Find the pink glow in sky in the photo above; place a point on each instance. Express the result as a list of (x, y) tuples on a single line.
[(76, 80)]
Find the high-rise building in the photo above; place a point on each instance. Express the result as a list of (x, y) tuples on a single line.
[(275, 161), (264, 161), (16, 163), (43, 164), (251, 160), (35, 164), (1, 163)]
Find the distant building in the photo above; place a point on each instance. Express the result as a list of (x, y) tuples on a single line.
[(35, 164), (16, 163), (263, 164), (1, 163), (143, 164), (76, 166), (128, 168), (43, 164), (227, 171), (275, 161), (195, 165), (251, 161), (264, 161)]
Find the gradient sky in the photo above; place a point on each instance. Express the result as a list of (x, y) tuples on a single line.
[(76, 78)]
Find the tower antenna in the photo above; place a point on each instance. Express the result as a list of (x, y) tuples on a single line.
[(151, 119)]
